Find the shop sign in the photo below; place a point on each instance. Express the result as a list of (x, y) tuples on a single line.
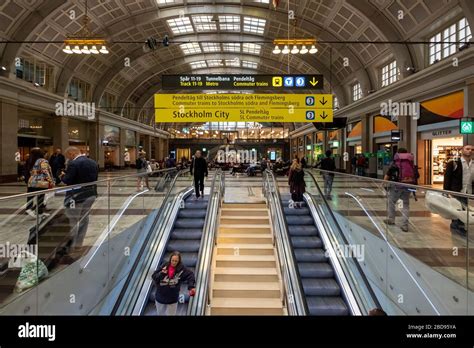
[(441, 133), (467, 127)]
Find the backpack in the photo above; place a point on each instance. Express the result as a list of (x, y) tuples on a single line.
[(407, 172), (361, 161)]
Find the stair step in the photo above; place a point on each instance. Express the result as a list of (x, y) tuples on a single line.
[(245, 274), (243, 238), (244, 205), (231, 212), (246, 306), (245, 220), (245, 229), (245, 290), (245, 249), (251, 261)]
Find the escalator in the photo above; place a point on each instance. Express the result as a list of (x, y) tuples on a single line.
[(186, 238), (320, 285)]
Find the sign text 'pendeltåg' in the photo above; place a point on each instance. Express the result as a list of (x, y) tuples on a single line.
[(253, 82), (244, 108)]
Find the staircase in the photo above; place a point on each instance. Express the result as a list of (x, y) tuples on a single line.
[(245, 277)]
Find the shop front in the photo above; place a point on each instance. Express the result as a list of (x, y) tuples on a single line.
[(438, 136), (32, 133), (318, 146), (77, 133)]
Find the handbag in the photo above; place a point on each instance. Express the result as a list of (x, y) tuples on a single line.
[(31, 272), (148, 169)]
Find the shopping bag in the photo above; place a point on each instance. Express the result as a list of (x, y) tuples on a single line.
[(48, 196), (33, 270)]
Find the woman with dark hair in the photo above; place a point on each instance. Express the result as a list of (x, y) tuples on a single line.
[(168, 280), (297, 184), (38, 177)]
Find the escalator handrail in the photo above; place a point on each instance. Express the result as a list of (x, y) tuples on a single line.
[(336, 223), (151, 231), (290, 259), (197, 305)]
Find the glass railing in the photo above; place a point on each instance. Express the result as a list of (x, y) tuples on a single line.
[(69, 252), (412, 242)]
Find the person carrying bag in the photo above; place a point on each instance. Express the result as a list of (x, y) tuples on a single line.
[(40, 179)]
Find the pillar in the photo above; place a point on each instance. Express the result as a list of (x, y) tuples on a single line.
[(122, 147), (8, 141), (405, 125), (147, 146), (60, 127), (96, 150), (469, 108), (367, 133), (158, 146)]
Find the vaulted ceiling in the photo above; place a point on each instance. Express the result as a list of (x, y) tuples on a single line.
[(254, 22)]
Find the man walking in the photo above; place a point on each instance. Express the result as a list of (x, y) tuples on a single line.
[(459, 177), (199, 167), (78, 201)]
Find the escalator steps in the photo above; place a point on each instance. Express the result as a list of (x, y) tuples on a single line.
[(186, 233), (183, 246), (321, 287), (327, 306), (306, 242), (315, 270), (192, 213), (189, 223), (304, 230), (310, 255), (299, 220), (298, 211)]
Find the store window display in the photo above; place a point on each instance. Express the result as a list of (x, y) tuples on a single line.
[(444, 150)]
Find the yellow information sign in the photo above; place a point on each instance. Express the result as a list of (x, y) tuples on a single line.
[(244, 107)]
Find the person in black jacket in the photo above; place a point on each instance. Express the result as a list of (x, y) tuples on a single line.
[(168, 279), (57, 161), (328, 164), (199, 167), (78, 201), (459, 177)]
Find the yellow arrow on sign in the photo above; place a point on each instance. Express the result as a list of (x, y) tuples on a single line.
[(314, 82)]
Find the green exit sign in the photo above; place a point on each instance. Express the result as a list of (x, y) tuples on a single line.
[(467, 127)]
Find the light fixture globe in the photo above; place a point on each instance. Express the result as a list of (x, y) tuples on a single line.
[(85, 50), (94, 50), (285, 50), (104, 50), (313, 50), (277, 50), (295, 50), (77, 50), (303, 50), (67, 50)]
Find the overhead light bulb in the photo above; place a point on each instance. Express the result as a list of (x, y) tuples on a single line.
[(285, 50), (303, 50), (295, 50), (104, 50), (85, 50), (313, 50), (277, 50), (4, 68), (67, 50), (76, 50), (94, 50)]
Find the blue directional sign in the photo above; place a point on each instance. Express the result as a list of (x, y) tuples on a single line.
[(289, 81), (310, 101), (300, 81), (310, 115)]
